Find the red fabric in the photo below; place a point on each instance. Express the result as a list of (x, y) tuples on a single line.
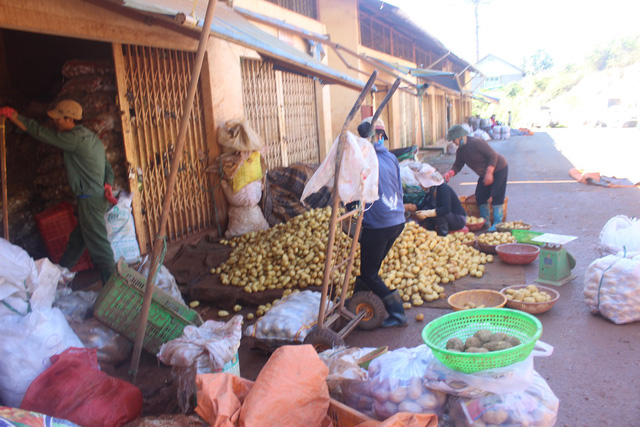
[(464, 230), (108, 194), (73, 388)]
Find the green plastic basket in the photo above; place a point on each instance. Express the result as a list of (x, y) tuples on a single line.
[(465, 323), (119, 304), (525, 236)]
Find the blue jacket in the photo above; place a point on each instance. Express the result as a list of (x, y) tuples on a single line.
[(388, 210)]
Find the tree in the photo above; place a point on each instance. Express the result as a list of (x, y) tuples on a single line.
[(538, 62)]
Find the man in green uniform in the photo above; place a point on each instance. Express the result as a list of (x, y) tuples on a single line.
[(90, 178)]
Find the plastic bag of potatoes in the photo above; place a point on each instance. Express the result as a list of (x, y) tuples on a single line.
[(396, 381), (536, 406)]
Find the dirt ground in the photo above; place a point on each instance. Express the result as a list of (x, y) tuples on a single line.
[(591, 369)]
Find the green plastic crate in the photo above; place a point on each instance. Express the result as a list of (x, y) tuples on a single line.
[(119, 304), (463, 324), (525, 236)]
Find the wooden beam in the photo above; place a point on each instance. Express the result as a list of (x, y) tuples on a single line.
[(94, 20)]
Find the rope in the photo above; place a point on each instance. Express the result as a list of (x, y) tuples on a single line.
[(605, 271), (193, 14)]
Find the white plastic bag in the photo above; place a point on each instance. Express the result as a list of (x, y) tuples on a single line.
[(358, 172), (18, 278), (612, 287), (396, 383), (290, 320), (618, 234), (112, 348), (516, 377), (201, 350), (121, 229), (537, 405), (165, 281), (26, 346)]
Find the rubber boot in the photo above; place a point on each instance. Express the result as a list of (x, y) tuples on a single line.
[(484, 213), (497, 217), (393, 305)]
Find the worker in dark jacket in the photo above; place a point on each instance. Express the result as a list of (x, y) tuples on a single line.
[(490, 166), (382, 223), (441, 210), (90, 178)]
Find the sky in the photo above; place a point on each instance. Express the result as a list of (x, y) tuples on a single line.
[(515, 29)]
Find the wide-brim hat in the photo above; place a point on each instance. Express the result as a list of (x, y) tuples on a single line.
[(378, 127), (66, 108), (455, 132), (428, 176)]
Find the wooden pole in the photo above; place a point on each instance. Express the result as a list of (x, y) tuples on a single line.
[(159, 244), (3, 171)]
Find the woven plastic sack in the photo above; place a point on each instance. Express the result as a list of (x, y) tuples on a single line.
[(396, 383), (249, 171), (620, 233), (612, 287), (121, 230), (237, 135)]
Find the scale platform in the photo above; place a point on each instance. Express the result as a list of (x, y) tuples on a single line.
[(555, 262)]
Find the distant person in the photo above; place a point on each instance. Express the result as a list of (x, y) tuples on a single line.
[(494, 122), (491, 167), (382, 223), (509, 120)]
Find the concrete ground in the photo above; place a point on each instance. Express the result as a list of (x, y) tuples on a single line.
[(595, 367)]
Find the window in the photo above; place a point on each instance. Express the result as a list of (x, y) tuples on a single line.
[(303, 7)]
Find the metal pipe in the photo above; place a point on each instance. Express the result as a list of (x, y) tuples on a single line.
[(159, 242), (3, 159)]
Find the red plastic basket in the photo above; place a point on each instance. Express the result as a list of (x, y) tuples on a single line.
[(55, 226)]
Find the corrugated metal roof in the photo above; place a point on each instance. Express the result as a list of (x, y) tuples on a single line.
[(232, 27), (444, 79)]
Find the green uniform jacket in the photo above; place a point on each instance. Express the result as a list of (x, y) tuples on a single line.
[(84, 157)]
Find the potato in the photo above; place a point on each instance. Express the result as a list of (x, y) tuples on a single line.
[(472, 342), (398, 394), (415, 388), (483, 335), (455, 344), (498, 336), (409, 406), (496, 345)]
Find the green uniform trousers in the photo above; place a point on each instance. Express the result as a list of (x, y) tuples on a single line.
[(91, 233)]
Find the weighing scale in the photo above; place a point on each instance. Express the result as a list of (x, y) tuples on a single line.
[(555, 262)]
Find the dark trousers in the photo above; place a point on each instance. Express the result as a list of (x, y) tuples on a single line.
[(374, 246), (452, 220), (497, 190), (91, 233)]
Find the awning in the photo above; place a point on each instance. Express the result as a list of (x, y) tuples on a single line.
[(485, 98), (443, 79), (232, 27)]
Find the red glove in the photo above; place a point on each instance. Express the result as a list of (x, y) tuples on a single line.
[(7, 112), (108, 194), (447, 176)]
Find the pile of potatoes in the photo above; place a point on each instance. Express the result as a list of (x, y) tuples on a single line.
[(293, 255), (530, 293), (496, 238), (420, 262), (474, 220), (286, 255), (514, 225), (483, 341)]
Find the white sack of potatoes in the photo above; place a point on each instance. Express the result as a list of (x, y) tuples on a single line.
[(291, 319), (612, 287)]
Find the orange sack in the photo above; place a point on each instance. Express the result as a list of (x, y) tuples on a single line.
[(291, 390)]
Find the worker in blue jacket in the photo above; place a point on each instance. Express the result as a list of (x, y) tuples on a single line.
[(382, 223)]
